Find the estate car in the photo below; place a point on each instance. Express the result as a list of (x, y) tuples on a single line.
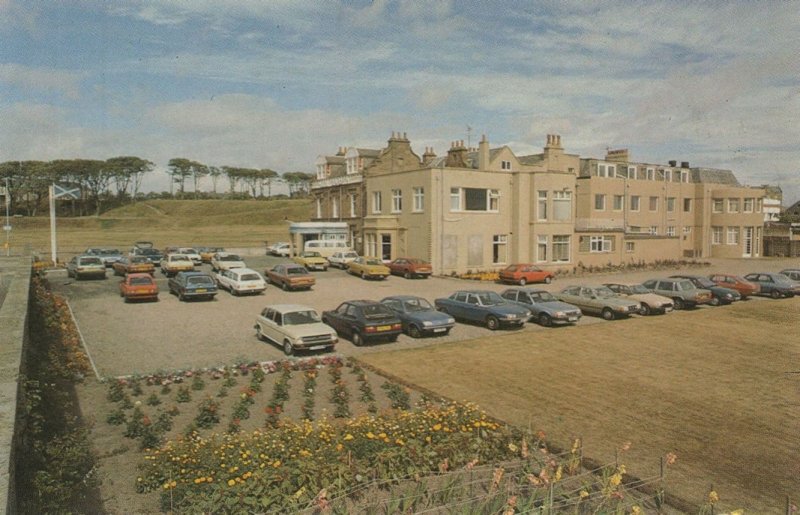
[(295, 327)]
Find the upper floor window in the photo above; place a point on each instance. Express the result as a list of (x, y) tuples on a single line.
[(634, 202), (748, 205), (505, 165), (352, 165), (455, 199), (352, 205), (600, 202), (562, 206), (670, 204), (654, 230), (733, 205), (651, 174), (653, 203), (604, 170), (631, 172), (419, 199), (716, 235), (376, 202), (671, 230), (319, 208), (684, 176), (687, 205), (335, 207), (716, 205), (668, 175), (474, 199), (397, 201), (541, 205), (618, 200)]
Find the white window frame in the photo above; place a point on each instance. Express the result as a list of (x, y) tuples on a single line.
[(541, 248), (493, 201), (499, 241), (630, 247), (319, 208), (687, 229), (621, 204), (419, 199), (667, 175), (599, 244), (562, 197), (671, 204), (732, 236), (456, 199), (717, 205), (670, 230), (505, 165), (653, 230), (716, 235), (748, 200), (377, 202), (631, 172), (397, 201), (684, 176), (335, 207), (602, 202), (601, 170), (541, 205), (352, 205), (733, 205), (567, 242)]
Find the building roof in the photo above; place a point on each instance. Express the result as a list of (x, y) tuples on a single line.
[(714, 176)]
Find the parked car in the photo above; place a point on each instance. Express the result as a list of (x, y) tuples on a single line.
[(523, 274), (146, 249), (295, 327), (410, 268), (485, 307), (364, 321), (81, 267), (772, 284), (290, 276), (193, 254), (342, 259), (684, 293), (791, 273), (418, 317), (545, 309), (174, 263), (326, 248), (107, 256), (719, 294), (312, 260), (226, 261), (193, 285), (279, 249), (368, 268), (138, 286), (735, 282), (133, 265), (241, 281), (599, 300), (651, 303), (206, 253)]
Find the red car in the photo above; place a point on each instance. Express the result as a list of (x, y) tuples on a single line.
[(138, 287), (410, 267), (523, 274), (734, 282)]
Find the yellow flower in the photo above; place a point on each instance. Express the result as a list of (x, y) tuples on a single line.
[(231, 482), (437, 427), (584, 494), (277, 463), (713, 497), (370, 435), (348, 437), (636, 510), (615, 480), (339, 447), (512, 447)]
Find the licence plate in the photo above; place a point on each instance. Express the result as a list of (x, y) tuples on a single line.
[(440, 330), (384, 328), (573, 319), (317, 347), (200, 290)]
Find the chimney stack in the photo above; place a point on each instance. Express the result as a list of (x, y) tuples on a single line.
[(673, 163)]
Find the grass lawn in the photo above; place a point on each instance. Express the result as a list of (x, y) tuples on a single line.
[(717, 386)]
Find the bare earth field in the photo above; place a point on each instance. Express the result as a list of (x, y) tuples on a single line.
[(719, 387)]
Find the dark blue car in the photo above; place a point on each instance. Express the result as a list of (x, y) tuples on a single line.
[(193, 285), (419, 318), (484, 307)]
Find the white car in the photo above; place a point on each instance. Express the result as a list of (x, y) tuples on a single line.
[(342, 259), (279, 249), (295, 327), (193, 254), (226, 261), (241, 281)]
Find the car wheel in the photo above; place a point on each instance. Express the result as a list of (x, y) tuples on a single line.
[(608, 314), (492, 323), (181, 297), (364, 275), (522, 281), (287, 348), (259, 334), (358, 340), (285, 286), (548, 280), (407, 275), (644, 310), (775, 294), (715, 301), (414, 331), (679, 303), (545, 320)]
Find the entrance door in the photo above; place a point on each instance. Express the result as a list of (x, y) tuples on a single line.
[(386, 247), (748, 242)]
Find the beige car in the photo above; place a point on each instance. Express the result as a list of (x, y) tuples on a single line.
[(174, 263), (652, 304)]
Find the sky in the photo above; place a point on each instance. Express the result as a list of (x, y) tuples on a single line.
[(274, 84)]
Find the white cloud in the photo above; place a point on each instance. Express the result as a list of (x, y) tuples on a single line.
[(27, 78)]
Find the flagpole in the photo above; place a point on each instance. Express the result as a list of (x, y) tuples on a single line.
[(53, 225), (7, 227)]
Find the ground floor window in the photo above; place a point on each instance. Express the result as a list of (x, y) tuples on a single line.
[(561, 248), (499, 248), (541, 249), (716, 235), (630, 246), (596, 244), (733, 235), (386, 247)]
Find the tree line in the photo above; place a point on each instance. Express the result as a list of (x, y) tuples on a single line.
[(103, 185)]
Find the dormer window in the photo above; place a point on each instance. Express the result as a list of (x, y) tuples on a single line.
[(505, 165)]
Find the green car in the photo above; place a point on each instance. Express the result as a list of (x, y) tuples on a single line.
[(598, 300)]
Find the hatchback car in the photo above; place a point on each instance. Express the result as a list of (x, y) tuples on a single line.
[(241, 281), (719, 294), (312, 260), (484, 307), (410, 268), (792, 273), (295, 327), (523, 274), (364, 321), (683, 292), (226, 261), (545, 309), (290, 276), (81, 267), (772, 284), (735, 282), (133, 265), (419, 318), (599, 300), (280, 249), (174, 263), (138, 286), (193, 285), (368, 268), (342, 259)]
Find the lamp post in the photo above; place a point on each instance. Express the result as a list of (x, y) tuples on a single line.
[(7, 226)]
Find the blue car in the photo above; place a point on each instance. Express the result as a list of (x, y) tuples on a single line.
[(419, 318), (193, 285), (485, 307), (774, 285), (719, 294), (545, 309)]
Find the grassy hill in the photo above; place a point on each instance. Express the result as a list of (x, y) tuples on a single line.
[(232, 223)]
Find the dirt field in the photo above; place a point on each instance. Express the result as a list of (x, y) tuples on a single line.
[(714, 385)]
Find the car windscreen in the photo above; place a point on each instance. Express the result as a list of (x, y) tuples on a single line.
[(374, 262), (417, 305), (250, 277), (139, 260), (311, 254), (702, 282), (230, 257), (296, 271), (90, 261), (178, 257), (639, 289), (137, 281), (112, 252), (604, 292), (350, 255), (300, 318), (543, 297), (685, 286), (200, 279), (377, 311), (490, 299)]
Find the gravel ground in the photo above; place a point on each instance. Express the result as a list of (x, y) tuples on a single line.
[(166, 335)]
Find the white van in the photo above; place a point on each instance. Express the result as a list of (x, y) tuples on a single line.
[(326, 248)]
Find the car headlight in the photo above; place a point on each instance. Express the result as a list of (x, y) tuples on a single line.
[(451, 320), (559, 314), (510, 316), (427, 323), (728, 296)]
